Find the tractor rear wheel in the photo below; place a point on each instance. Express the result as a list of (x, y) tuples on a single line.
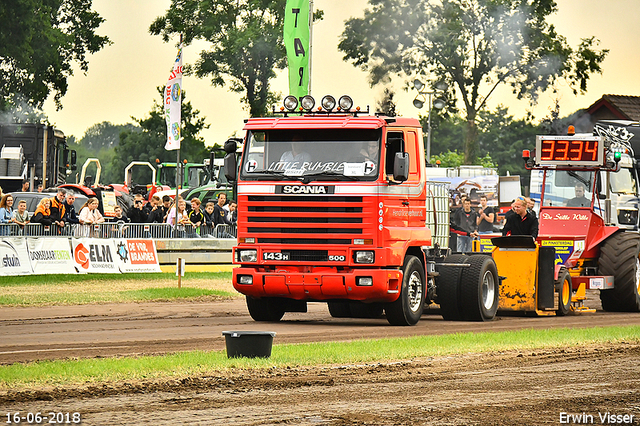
[(619, 257), (447, 287), (563, 285), (407, 308), (265, 309), (479, 290)]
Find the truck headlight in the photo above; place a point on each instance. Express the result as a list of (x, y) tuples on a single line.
[(362, 256), (245, 279), (364, 281), (248, 255), (627, 217)]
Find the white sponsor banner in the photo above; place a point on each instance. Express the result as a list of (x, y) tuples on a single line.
[(14, 258), (50, 256), (137, 255), (93, 255)]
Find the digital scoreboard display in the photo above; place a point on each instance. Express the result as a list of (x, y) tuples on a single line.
[(570, 150)]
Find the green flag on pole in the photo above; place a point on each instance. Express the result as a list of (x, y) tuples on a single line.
[(296, 40)]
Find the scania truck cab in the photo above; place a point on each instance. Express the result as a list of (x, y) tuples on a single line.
[(332, 207)]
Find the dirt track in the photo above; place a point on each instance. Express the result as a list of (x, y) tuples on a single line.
[(498, 388)]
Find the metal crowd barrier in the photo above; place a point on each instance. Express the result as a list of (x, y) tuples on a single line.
[(119, 230)]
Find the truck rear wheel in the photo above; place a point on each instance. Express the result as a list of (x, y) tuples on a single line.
[(407, 309), (479, 291), (619, 257), (563, 285), (447, 287), (265, 309)]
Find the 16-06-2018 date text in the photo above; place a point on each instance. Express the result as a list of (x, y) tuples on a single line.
[(50, 417)]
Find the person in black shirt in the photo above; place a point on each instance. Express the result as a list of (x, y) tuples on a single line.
[(465, 219), (136, 213), (579, 200), (486, 216), (520, 221)]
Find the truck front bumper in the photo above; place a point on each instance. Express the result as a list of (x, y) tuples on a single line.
[(321, 283)]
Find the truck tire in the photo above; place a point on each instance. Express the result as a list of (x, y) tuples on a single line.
[(407, 309), (447, 287), (619, 257), (479, 290), (365, 310), (563, 285), (265, 309), (339, 309)]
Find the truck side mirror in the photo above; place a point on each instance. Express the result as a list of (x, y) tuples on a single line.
[(230, 166), (401, 167)]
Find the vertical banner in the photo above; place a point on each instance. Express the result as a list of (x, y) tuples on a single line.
[(172, 103), (296, 41)]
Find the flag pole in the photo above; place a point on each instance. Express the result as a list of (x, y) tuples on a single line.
[(310, 42), (178, 168)]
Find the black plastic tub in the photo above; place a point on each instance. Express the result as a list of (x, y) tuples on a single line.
[(249, 344)]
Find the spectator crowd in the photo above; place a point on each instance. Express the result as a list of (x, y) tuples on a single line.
[(59, 211)]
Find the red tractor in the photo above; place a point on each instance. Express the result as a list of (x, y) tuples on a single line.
[(577, 174)]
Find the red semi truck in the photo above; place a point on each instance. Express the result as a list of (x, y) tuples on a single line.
[(332, 207)]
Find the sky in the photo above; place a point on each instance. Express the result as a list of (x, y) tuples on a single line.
[(122, 78)]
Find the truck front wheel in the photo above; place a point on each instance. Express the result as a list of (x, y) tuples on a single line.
[(265, 309), (407, 309)]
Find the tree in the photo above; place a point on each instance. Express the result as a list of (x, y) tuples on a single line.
[(246, 38), (39, 40), (472, 45), (148, 144)]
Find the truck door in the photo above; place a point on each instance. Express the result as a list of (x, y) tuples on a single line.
[(414, 187), (396, 203)]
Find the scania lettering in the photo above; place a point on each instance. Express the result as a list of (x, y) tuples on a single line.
[(355, 224)]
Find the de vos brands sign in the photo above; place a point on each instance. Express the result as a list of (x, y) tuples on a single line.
[(137, 256)]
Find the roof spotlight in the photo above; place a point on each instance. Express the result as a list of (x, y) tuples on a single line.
[(345, 102), (308, 102), (290, 103), (328, 103)]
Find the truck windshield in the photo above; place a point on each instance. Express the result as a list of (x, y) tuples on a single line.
[(568, 188), (333, 154)]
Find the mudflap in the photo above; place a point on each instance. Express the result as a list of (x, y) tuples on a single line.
[(546, 277)]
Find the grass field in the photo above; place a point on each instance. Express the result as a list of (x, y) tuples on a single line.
[(42, 290), (84, 371)]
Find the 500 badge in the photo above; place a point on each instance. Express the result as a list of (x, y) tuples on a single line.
[(271, 255)]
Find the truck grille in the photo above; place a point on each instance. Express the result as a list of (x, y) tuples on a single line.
[(306, 220)]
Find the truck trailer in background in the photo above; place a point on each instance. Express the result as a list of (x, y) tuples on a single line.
[(36, 153)]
